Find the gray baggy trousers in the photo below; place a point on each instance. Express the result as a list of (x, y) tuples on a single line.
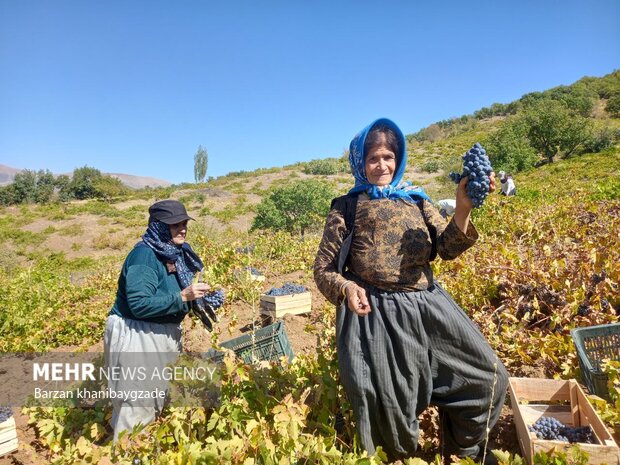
[(413, 350), (129, 347)]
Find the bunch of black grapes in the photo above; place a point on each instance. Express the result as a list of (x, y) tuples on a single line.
[(550, 428), (5, 413), (477, 167), (286, 289), (205, 308)]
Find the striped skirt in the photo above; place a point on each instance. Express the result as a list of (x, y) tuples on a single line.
[(413, 350)]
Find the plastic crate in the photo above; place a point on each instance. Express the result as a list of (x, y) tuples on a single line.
[(594, 344), (268, 343)]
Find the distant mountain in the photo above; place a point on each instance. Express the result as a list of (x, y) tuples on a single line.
[(138, 182), (7, 174)]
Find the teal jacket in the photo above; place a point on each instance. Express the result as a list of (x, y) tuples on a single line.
[(147, 291)]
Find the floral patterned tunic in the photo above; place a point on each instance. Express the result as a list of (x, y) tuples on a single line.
[(391, 246)]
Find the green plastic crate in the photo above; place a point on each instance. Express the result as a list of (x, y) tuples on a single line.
[(594, 344), (268, 343)]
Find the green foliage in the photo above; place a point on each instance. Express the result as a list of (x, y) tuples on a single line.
[(201, 160), (601, 139), (83, 182), (613, 105), (497, 109), (326, 166), (509, 147), (295, 207), (431, 134), (24, 187), (430, 166), (107, 187), (38, 303), (578, 98), (45, 186), (553, 130), (62, 184)]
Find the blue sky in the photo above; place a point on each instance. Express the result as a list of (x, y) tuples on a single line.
[(135, 86)]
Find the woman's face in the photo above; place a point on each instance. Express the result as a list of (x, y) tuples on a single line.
[(380, 164), (178, 232)]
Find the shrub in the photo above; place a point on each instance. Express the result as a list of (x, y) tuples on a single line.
[(430, 166), (326, 166), (295, 207)]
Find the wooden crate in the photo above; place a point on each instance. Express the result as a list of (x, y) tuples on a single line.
[(8, 436), (293, 304), (532, 398)]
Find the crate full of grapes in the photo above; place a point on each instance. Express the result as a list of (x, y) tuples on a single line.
[(292, 299), (555, 414), (8, 434)]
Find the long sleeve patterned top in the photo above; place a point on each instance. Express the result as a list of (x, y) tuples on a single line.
[(391, 246)]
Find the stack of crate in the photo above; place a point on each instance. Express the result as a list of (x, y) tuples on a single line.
[(275, 307)]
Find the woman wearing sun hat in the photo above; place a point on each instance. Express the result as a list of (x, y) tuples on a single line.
[(154, 294)]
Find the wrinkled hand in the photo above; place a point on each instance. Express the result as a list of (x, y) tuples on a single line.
[(194, 291), (463, 202), (357, 299)]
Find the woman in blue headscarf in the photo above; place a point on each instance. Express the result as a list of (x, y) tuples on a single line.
[(403, 343), (143, 329)]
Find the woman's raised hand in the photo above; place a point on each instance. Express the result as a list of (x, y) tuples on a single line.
[(194, 291), (357, 299), (463, 202)]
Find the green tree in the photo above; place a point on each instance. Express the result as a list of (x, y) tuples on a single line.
[(613, 105), (295, 207), (24, 187), (6, 195), (578, 97), (82, 185), (201, 160), (509, 148), (45, 184), (107, 187), (62, 184), (553, 129)]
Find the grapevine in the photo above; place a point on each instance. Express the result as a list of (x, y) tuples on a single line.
[(476, 167)]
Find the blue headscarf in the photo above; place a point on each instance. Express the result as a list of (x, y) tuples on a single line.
[(158, 238), (397, 189)]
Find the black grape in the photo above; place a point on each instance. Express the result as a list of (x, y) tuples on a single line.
[(286, 289), (253, 271), (5, 413), (477, 167), (550, 428), (205, 308), (214, 299)]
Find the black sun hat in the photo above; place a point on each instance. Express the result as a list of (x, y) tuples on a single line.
[(168, 211)]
